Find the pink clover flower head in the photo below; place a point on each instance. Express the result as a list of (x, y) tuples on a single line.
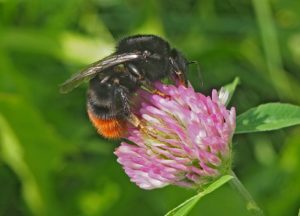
[(186, 139)]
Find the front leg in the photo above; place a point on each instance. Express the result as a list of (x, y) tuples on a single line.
[(145, 83)]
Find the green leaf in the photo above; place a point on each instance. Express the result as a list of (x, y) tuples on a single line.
[(185, 207), (268, 117), (33, 150), (13, 154), (230, 87)]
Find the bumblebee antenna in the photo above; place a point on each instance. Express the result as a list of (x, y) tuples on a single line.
[(198, 71)]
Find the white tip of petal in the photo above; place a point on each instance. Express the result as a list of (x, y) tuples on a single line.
[(223, 96)]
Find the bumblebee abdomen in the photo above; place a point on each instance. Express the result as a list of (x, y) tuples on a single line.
[(109, 128)]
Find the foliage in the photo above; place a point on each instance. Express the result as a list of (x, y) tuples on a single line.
[(186, 207), (52, 160)]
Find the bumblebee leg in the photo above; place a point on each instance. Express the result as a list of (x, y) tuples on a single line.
[(182, 79), (121, 100), (146, 84), (177, 75), (135, 72), (136, 122)]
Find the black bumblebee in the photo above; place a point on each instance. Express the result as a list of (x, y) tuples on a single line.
[(137, 62)]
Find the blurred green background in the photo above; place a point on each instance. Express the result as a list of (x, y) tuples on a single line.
[(52, 162)]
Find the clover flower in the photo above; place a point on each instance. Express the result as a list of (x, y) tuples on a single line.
[(185, 140)]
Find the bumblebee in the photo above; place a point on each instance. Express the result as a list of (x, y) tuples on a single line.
[(138, 61)]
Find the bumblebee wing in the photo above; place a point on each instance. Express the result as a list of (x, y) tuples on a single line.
[(92, 70)]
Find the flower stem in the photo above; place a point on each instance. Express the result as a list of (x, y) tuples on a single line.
[(250, 203)]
